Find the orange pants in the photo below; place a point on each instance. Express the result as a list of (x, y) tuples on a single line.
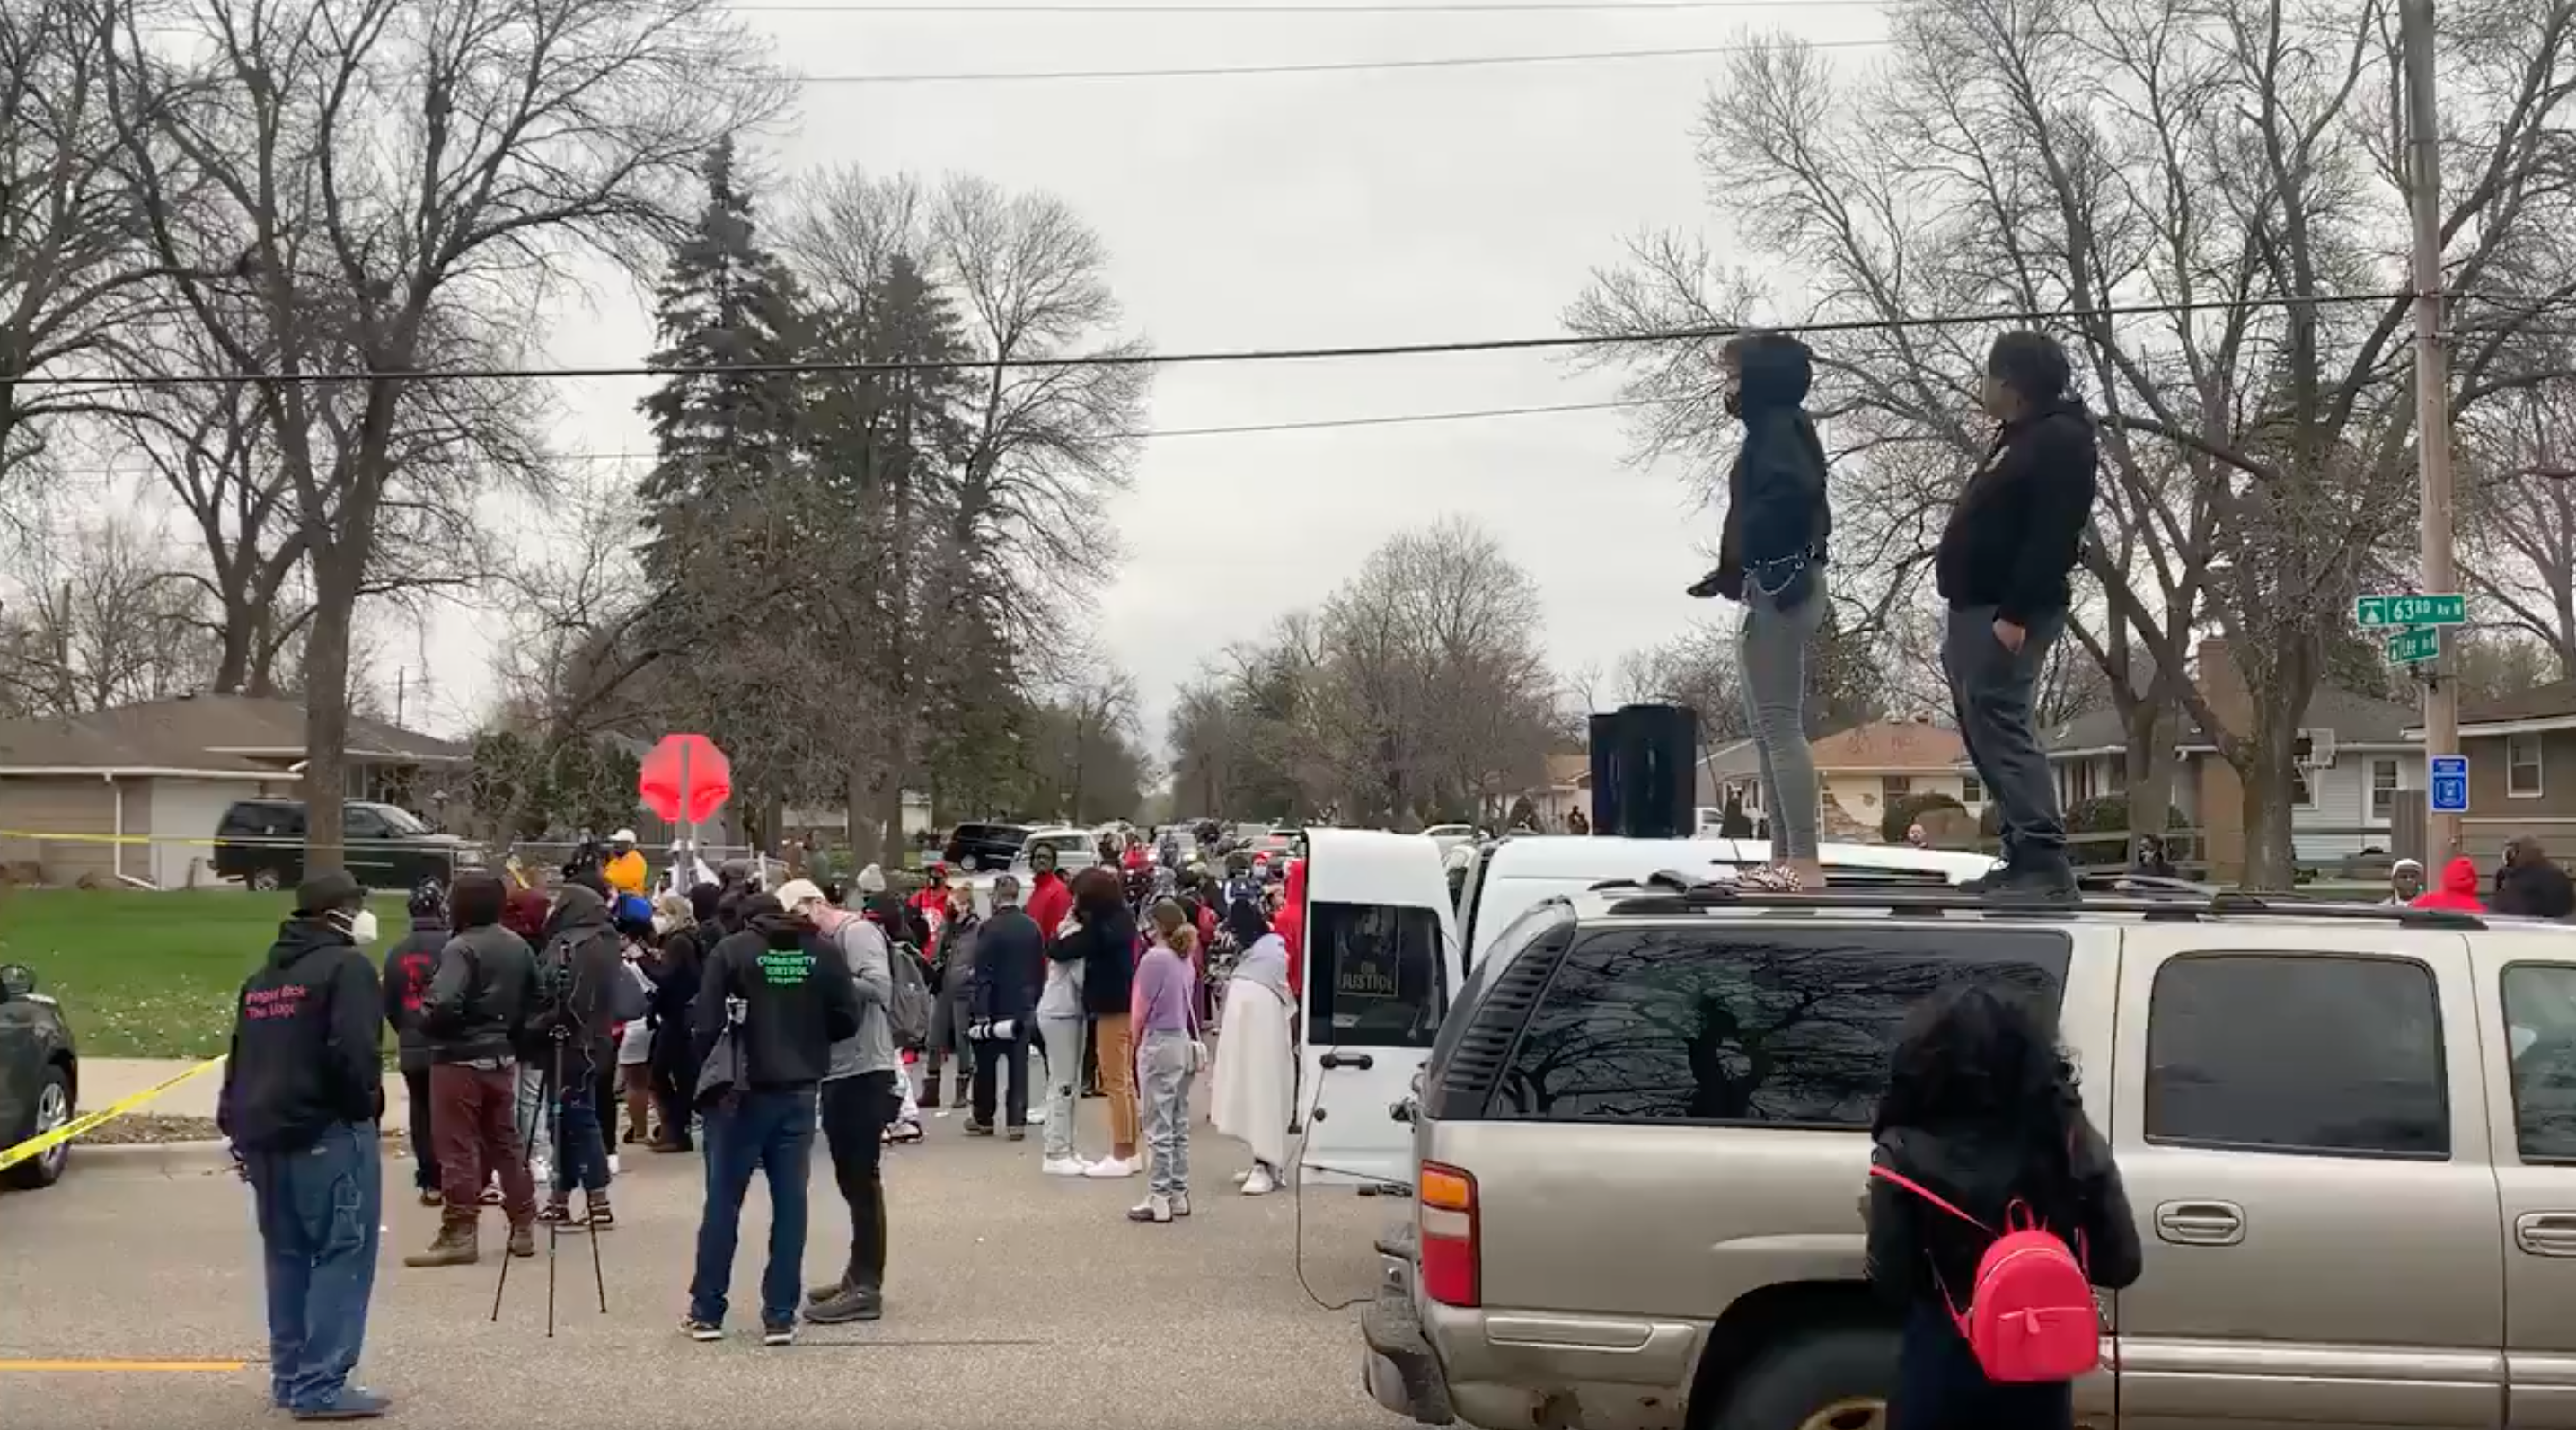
[(1118, 1080)]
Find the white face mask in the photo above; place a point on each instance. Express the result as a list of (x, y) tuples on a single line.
[(361, 926), (661, 923)]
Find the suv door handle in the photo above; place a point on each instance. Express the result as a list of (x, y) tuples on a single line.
[(2200, 1223), (1361, 1061), (2545, 1233)]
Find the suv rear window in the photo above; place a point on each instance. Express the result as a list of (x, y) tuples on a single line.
[(1747, 1025), (261, 817), (1373, 975)]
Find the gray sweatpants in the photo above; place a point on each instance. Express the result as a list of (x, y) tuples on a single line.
[(1771, 658), (1163, 1095), (1063, 1037), (1991, 689)]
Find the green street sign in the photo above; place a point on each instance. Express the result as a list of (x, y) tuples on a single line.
[(2376, 611), (2415, 646)]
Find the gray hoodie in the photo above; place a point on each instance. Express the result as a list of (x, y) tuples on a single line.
[(863, 945)]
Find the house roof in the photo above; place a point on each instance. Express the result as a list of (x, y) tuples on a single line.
[(1736, 759), (1573, 769), (2555, 701), (213, 734), (2355, 718), (1894, 747)]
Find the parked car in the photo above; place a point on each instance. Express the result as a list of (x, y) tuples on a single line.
[(39, 1076), (2348, 1132), (985, 846), (261, 843)]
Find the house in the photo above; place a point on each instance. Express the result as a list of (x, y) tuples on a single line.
[(2360, 754), (1568, 788), (2522, 768), (134, 793), (1859, 772)]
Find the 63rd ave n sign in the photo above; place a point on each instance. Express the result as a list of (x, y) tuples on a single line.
[(2373, 612)]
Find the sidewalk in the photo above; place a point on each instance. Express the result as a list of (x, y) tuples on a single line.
[(106, 1080)]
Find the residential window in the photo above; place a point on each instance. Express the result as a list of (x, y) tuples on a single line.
[(1972, 791), (2522, 766), (1895, 787), (2303, 788), (2383, 789), (2082, 781), (2540, 1026), (1777, 1027), (2357, 1073)]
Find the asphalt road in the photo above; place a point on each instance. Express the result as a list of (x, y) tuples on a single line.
[(1013, 1299)]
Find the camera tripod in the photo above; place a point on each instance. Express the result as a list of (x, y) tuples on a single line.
[(550, 1107)]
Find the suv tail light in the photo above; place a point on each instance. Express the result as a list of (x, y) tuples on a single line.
[(1445, 1212)]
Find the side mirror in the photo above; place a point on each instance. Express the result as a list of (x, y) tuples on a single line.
[(17, 980)]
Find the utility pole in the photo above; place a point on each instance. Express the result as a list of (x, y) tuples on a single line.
[(2432, 396), (401, 684)]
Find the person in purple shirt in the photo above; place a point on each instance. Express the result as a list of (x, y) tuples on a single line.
[(1162, 1009)]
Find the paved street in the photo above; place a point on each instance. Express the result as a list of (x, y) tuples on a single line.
[(1013, 1299)]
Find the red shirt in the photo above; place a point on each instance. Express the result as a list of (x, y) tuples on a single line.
[(1049, 901)]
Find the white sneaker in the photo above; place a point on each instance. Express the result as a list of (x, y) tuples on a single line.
[(1114, 1167), (1243, 1176), (1154, 1209), (1065, 1167), (613, 1167), (1259, 1183), (540, 1171), (1180, 1204)]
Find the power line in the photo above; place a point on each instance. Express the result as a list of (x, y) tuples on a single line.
[(1213, 357), (1441, 62), (1318, 424), (1464, 7)]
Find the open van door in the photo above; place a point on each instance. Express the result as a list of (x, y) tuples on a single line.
[(1380, 968)]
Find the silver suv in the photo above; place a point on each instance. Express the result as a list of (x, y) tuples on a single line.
[(2349, 1134)]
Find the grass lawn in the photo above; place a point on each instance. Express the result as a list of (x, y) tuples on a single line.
[(150, 975)]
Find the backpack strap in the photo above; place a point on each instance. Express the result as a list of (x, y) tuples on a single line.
[(1891, 1175)]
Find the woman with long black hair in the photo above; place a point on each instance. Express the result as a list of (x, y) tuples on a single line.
[(1981, 1110)]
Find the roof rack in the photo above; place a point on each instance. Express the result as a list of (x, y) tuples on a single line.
[(1673, 892)]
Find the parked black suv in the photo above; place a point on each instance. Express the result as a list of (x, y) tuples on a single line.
[(39, 1076), (261, 843), (985, 846)]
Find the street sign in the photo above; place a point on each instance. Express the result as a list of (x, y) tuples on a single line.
[(2411, 647), (2375, 611), (2450, 793)]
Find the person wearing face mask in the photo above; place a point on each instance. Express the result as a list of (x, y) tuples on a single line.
[(1771, 560), (302, 1096)]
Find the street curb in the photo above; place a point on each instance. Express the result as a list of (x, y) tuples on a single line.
[(167, 1156)]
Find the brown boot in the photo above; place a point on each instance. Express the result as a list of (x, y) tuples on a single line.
[(457, 1245), (523, 1239)]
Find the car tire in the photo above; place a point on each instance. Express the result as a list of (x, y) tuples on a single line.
[(1802, 1383), (969, 863), (264, 880), (39, 1172)]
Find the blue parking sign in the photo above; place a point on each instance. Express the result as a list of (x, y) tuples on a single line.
[(2450, 792)]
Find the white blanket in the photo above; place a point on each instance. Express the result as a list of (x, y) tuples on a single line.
[(1255, 1071)]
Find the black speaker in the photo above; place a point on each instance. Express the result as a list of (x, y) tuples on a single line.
[(1645, 772)]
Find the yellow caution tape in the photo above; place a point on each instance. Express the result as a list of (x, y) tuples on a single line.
[(42, 1143)]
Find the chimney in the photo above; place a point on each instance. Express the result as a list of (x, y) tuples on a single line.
[(2223, 686)]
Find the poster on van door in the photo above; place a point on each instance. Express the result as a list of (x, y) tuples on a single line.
[(1379, 964)]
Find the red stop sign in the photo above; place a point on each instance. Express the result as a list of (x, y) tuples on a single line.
[(685, 779)]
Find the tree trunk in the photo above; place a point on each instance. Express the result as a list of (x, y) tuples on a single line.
[(866, 846), (886, 802), (326, 706), (2270, 860), (2149, 766)]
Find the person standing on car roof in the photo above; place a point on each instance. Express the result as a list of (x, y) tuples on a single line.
[(2015, 533), (1981, 1110), (409, 966), (302, 1096), (1771, 559)]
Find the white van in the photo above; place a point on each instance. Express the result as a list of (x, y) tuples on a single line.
[(1386, 952)]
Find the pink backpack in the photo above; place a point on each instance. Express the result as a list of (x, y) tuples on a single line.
[(2032, 1317)]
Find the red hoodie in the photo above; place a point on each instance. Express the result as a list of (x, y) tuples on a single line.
[(1291, 926), (1049, 900), (2459, 889)]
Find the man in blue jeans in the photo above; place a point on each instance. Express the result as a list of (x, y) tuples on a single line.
[(303, 1093), (767, 1014)]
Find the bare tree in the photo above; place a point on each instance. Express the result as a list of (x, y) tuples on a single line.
[(101, 622), (2519, 515), (2232, 174), (385, 178)]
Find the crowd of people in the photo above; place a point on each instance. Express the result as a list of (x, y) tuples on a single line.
[(735, 1023)]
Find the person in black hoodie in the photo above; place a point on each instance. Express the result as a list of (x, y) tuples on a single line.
[(582, 962), (2531, 884), (778, 1007), (409, 966), (1104, 943), (2013, 537), (675, 990), (1001, 1008), (1771, 558), (302, 1095), (480, 998), (1981, 1110)]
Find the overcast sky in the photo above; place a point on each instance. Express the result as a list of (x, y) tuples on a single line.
[(1293, 210)]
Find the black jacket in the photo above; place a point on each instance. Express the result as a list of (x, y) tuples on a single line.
[(409, 965), (1916, 1249), (1775, 493), (1105, 945), (800, 1004), (1010, 962), (308, 1031), (480, 997), (577, 970), (2018, 526), (675, 974), (2538, 890)]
